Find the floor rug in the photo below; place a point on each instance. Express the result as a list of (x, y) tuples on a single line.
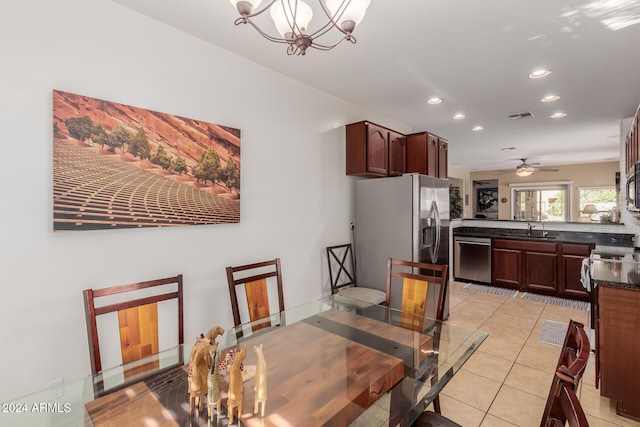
[(563, 302), (553, 332), (491, 290)]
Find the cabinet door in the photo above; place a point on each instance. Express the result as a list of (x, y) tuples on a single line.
[(506, 268), (540, 272), (618, 347), (570, 270), (443, 158), (397, 153), (432, 155), (377, 149)]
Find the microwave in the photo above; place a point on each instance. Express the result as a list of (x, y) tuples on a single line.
[(633, 188)]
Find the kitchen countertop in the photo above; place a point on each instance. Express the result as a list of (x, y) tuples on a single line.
[(597, 238), (615, 267)]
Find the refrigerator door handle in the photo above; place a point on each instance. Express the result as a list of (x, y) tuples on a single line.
[(436, 219)]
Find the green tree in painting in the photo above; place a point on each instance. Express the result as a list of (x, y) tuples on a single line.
[(118, 137), (99, 135), (139, 145), (161, 158), (179, 165), (79, 127), (231, 175), (208, 168)]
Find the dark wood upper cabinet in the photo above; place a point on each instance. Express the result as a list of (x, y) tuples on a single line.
[(443, 158), (397, 153), (374, 150), (427, 154)]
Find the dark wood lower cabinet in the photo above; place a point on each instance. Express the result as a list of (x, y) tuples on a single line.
[(570, 269), (541, 267), (618, 347), (541, 272), (505, 268)]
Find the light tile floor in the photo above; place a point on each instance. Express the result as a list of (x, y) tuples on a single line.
[(506, 381)]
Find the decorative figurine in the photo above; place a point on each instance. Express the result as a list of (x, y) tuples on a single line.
[(236, 387), (199, 367), (260, 382), (213, 381), (200, 362)]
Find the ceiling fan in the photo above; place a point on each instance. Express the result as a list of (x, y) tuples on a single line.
[(525, 169)]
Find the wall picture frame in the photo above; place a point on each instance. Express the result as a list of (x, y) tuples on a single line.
[(118, 166)]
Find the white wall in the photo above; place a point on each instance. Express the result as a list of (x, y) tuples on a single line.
[(296, 198)]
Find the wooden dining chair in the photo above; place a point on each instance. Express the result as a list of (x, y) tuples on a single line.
[(137, 307), (569, 410), (342, 274), (562, 404), (254, 279), (572, 363), (417, 280)]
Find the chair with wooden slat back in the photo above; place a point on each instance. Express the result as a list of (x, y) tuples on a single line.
[(572, 363), (137, 317), (562, 405), (254, 278), (569, 409), (416, 285), (418, 279), (342, 274)]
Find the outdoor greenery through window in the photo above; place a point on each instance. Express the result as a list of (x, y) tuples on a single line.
[(604, 199), (541, 202)]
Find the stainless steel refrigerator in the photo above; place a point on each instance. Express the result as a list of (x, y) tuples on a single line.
[(404, 217)]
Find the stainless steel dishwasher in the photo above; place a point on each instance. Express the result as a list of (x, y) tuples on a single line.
[(472, 259)]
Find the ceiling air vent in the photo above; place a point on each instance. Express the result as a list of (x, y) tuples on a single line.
[(523, 115)]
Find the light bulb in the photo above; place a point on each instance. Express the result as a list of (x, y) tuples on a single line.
[(349, 15), (282, 13)]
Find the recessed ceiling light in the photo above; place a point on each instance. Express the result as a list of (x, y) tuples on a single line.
[(435, 100), (458, 116), (477, 128), (539, 74), (558, 115), (550, 98)]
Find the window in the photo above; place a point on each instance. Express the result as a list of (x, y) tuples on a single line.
[(541, 202), (603, 198)]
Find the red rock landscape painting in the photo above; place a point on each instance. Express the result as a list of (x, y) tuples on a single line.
[(117, 166)]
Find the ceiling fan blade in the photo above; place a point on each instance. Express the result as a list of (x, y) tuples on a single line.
[(547, 170)]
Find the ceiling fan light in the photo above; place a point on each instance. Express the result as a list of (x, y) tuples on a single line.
[(524, 172), (245, 7), (349, 13), (282, 12)]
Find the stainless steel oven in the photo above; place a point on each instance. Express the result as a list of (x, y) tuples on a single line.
[(472, 259)]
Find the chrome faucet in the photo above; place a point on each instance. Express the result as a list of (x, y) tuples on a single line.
[(544, 233), (529, 228)]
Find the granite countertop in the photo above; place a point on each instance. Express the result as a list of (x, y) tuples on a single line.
[(616, 269), (597, 238)]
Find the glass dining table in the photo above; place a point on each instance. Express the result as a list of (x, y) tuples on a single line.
[(333, 361)]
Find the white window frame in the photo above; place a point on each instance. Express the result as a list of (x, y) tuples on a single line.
[(541, 186)]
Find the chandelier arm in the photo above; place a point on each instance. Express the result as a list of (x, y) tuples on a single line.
[(333, 20), (265, 35), (329, 47), (252, 15)]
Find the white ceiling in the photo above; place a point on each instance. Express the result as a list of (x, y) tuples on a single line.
[(476, 55)]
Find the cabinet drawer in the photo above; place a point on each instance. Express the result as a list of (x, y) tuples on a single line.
[(576, 249), (525, 245)]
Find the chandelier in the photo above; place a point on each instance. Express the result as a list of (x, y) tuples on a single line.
[(292, 18)]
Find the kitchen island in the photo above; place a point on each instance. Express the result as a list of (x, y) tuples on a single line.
[(615, 280)]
